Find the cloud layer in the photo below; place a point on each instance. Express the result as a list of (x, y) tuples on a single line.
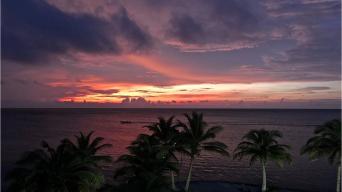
[(110, 50), (36, 30)]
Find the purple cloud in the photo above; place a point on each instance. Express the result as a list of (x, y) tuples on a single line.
[(36, 30)]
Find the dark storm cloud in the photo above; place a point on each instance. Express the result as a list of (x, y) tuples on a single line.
[(217, 22), (186, 29), (239, 15), (34, 30), (131, 31)]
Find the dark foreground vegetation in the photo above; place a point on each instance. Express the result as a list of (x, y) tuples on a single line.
[(151, 163)]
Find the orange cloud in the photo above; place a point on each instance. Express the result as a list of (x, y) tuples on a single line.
[(115, 93), (167, 67)]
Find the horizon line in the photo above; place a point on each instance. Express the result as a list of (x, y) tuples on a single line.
[(205, 108)]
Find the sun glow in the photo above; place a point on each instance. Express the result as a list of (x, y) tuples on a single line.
[(100, 93)]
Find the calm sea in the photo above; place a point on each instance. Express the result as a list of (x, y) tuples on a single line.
[(24, 129)]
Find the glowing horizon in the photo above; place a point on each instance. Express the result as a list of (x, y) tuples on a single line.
[(271, 54), (211, 92)]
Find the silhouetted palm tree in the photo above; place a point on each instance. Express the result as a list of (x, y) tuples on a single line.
[(53, 170), (145, 166), (262, 145), (326, 142), (196, 137), (87, 148), (165, 130)]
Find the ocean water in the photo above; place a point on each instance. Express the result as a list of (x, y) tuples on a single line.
[(24, 129)]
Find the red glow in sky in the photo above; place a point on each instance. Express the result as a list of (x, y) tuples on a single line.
[(216, 53)]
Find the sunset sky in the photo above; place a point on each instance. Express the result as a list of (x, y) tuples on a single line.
[(163, 53)]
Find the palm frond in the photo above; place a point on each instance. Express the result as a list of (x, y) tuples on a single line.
[(262, 145), (325, 142)]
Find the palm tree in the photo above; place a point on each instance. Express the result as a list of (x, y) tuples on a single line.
[(53, 170), (196, 137), (145, 166), (87, 148), (165, 131), (326, 142), (262, 145)]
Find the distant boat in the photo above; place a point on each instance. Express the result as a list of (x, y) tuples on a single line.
[(125, 122)]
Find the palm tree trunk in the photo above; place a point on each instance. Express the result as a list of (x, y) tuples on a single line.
[(338, 186), (173, 185), (189, 175), (263, 189)]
